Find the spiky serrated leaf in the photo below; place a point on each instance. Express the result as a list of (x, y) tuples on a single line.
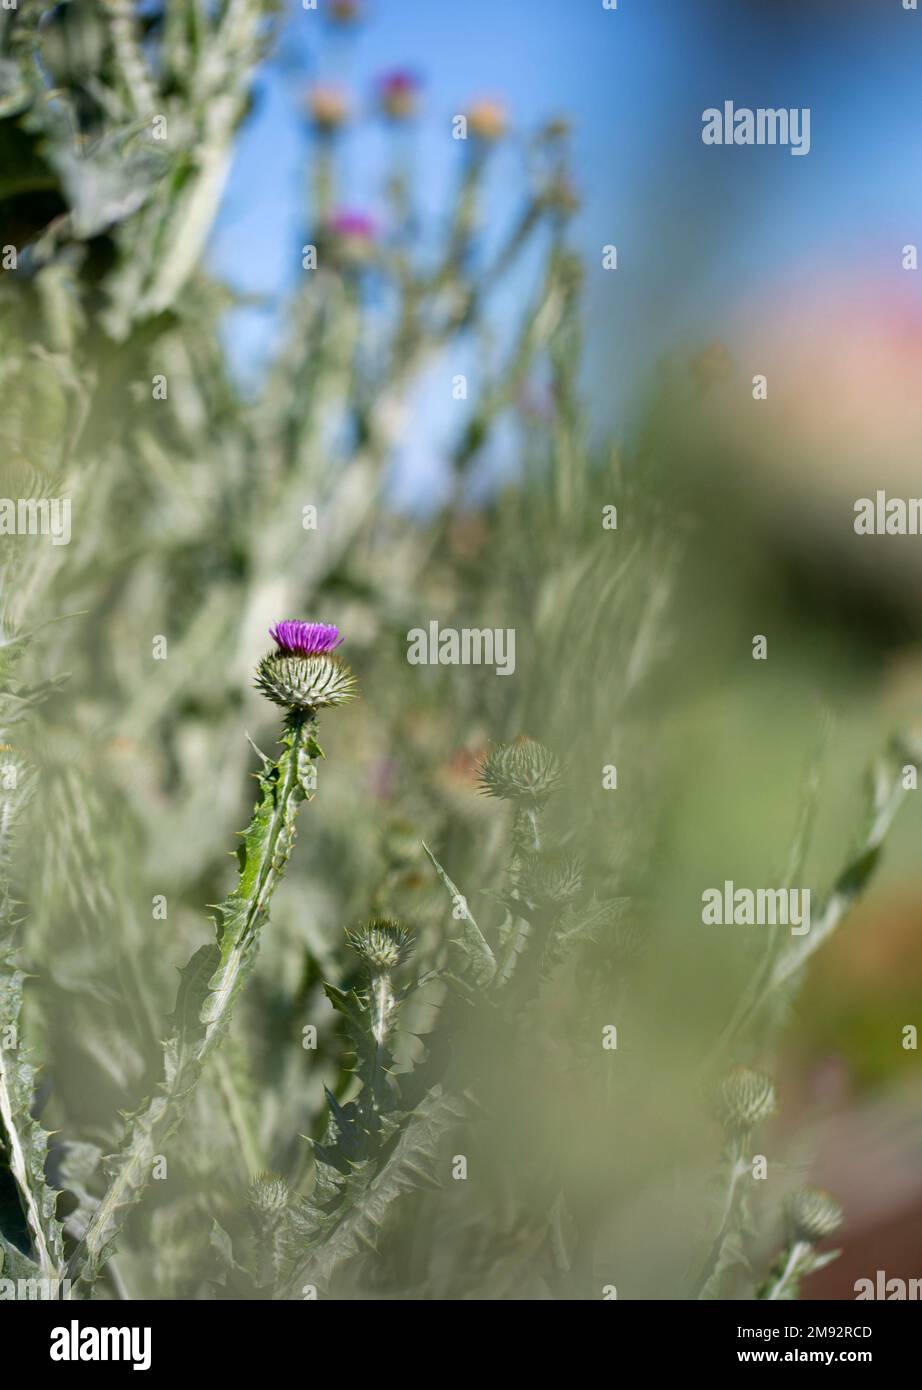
[(23, 1141), (14, 1264), (366, 1197), (472, 942)]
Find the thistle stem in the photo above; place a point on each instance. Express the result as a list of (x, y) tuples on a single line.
[(736, 1168), (208, 989), (797, 1251)]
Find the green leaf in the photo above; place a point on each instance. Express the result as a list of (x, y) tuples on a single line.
[(365, 1198), (23, 1142), (473, 942), (885, 793)]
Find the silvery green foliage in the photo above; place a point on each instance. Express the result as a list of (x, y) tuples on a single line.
[(533, 919)]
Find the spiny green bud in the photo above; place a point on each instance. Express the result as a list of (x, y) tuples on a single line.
[(812, 1214), (382, 943), (551, 881), (305, 682), (268, 1194), (744, 1099), (521, 771)]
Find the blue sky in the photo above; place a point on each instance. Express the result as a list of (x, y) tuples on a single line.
[(695, 226)]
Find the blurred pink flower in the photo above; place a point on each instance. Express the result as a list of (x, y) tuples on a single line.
[(349, 223), (398, 94), (353, 234), (344, 11)]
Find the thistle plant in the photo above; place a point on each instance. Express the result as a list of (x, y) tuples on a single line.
[(382, 1144), (303, 677), (525, 773), (551, 1010), (743, 1100)]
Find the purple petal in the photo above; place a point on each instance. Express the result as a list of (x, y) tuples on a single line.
[(305, 639)]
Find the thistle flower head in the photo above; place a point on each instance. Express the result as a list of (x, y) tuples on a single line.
[(295, 638), (305, 682), (349, 223), (398, 92), (328, 107), (744, 1099), (382, 943), (268, 1194), (352, 235), (344, 11), (523, 771), (303, 674), (812, 1214), (487, 120)]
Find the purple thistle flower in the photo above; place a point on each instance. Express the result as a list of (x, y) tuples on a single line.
[(400, 80), (358, 225), (398, 92), (295, 638)]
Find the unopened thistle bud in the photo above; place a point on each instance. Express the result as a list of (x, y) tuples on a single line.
[(812, 1214), (303, 674), (382, 943), (744, 1099), (268, 1194), (523, 771)]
